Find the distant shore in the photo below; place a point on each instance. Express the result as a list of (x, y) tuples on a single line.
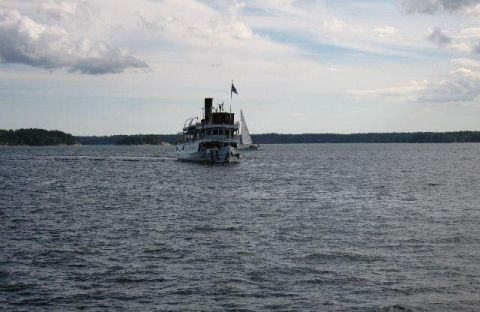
[(40, 137), (35, 137), (394, 137), (276, 138)]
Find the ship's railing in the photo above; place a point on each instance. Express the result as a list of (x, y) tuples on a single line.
[(214, 126), (235, 127), (209, 126), (220, 138)]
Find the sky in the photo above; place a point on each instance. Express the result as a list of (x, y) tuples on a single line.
[(300, 66)]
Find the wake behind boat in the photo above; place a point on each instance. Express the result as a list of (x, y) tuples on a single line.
[(212, 140), (246, 142)]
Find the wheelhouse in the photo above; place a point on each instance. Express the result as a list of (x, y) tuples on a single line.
[(217, 128)]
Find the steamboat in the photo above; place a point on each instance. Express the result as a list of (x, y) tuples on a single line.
[(214, 139)]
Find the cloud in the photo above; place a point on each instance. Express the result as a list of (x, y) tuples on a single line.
[(464, 41), (334, 25), (471, 32), (99, 58), (458, 40), (194, 24), (25, 41), (434, 6), (439, 38), (465, 62), (216, 30), (59, 10), (386, 30), (406, 92), (460, 85)]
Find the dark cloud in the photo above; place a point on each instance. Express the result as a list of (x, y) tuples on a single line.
[(23, 40), (433, 6), (439, 38), (115, 62), (477, 49)]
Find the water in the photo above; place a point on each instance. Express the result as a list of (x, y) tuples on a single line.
[(293, 227)]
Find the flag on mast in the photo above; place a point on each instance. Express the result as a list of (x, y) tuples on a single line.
[(233, 90)]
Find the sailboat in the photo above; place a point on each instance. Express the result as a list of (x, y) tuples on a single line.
[(245, 138)]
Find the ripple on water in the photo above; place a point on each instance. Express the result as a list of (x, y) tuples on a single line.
[(292, 228)]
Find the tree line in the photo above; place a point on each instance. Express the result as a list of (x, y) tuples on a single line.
[(276, 138), (136, 139), (35, 137), (415, 137)]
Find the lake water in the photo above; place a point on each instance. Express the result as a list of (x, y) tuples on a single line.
[(292, 228)]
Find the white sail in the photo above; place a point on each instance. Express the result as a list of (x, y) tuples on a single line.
[(245, 138)]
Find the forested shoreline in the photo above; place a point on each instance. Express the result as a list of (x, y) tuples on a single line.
[(401, 137), (36, 137), (276, 138), (135, 139), (39, 137)]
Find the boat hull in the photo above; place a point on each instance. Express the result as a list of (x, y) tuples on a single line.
[(224, 155)]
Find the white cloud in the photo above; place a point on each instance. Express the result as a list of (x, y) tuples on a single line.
[(465, 62), (60, 10), (462, 47), (334, 25), (215, 29), (460, 85), (471, 32), (385, 30), (26, 41), (406, 92)]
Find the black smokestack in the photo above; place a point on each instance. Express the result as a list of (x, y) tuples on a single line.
[(208, 109)]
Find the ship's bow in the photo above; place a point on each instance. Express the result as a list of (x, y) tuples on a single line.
[(224, 155)]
